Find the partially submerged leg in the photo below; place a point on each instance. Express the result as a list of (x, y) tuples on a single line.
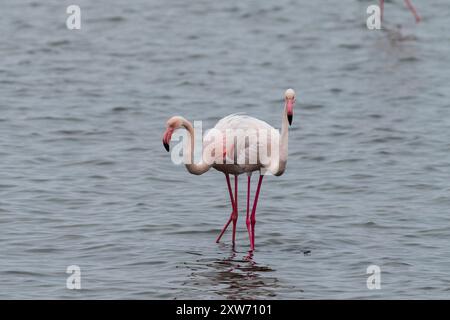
[(233, 206), (253, 216)]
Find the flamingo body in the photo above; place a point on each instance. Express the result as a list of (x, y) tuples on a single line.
[(244, 123)]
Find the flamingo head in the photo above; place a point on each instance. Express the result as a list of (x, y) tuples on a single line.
[(172, 124), (289, 99)]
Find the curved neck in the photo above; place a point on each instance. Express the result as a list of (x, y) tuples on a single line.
[(278, 168), (284, 139), (194, 168)]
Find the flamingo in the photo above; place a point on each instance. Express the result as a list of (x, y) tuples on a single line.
[(408, 4), (275, 165)]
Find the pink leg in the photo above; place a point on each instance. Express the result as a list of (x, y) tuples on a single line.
[(413, 10), (232, 204), (382, 9), (253, 216), (248, 223), (234, 216)]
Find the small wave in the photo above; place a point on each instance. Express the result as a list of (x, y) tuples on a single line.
[(350, 46), (58, 43)]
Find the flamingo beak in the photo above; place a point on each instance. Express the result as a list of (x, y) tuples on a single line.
[(290, 109), (166, 138)]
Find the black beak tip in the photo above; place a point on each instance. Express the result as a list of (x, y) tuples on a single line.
[(290, 119), (166, 146)]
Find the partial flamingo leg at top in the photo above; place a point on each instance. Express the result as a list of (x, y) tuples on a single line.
[(413, 10), (408, 4)]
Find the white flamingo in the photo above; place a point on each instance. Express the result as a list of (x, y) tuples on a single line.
[(275, 165)]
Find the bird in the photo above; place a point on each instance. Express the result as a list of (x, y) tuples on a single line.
[(408, 4), (232, 158)]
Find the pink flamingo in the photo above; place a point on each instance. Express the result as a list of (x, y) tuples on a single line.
[(408, 4), (275, 165)]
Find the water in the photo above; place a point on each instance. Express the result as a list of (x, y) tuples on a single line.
[(85, 180)]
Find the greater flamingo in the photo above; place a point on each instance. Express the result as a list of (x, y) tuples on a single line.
[(408, 4), (231, 152)]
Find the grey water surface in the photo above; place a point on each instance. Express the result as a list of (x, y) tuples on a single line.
[(85, 180)]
